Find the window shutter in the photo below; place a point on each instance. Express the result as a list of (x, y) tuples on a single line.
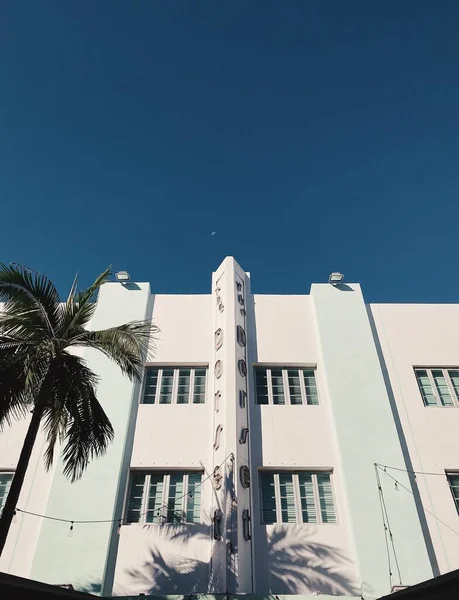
[(454, 376), (193, 506), (174, 501), (135, 497), (268, 498), (262, 386), (425, 388), (183, 388), (310, 387), (327, 507), (308, 505), (294, 386), (442, 387), (199, 393), (5, 483), (155, 499), (167, 380), (454, 484), (287, 498), (151, 383), (277, 383)]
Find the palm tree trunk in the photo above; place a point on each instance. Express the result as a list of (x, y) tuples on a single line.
[(18, 479)]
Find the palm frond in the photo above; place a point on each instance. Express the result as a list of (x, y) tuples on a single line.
[(127, 345), (90, 294), (31, 298), (16, 383), (73, 414), (73, 289), (80, 307)]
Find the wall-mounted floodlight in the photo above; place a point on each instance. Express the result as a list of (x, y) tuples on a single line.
[(123, 277), (336, 278)]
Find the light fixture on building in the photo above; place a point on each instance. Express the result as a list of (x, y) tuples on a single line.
[(336, 278), (123, 277)]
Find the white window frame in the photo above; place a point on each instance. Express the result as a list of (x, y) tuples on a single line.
[(297, 495), (285, 383), (449, 383), (6, 472), (176, 369), (164, 497)]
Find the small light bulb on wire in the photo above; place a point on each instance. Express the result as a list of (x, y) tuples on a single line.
[(396, 487), (118, 531), (15, 516), (71, 530)]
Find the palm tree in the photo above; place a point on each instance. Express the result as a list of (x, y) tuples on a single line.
[(38, 372)]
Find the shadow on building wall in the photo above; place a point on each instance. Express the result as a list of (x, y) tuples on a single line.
[(404, 446), (167, 559), (294, 564)]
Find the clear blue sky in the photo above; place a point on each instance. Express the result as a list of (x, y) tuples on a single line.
[(310, 135)]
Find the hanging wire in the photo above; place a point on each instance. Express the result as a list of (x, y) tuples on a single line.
[(426, 509), (391, 537), (118, 520), (378, 482), (384, 467)]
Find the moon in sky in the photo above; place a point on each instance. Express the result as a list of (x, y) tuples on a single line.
[(214, 232)]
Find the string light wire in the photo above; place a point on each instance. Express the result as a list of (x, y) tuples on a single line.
[(119, 519), (384, 467), (384, 525), (426, 509)]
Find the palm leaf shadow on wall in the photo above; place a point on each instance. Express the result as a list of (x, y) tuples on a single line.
[(293, 564)]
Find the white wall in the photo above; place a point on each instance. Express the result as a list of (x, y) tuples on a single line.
[(285, 330), (295, 559), (169, 559), (425, 335), (185, 324), (19, 550), (366, 434)]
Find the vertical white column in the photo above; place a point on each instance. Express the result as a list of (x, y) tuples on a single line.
[(231, 557), (366, 434)]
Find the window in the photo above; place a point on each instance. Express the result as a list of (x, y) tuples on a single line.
[(175, 385), (5, 483), (439, 387), (296, 497), (159, 497), (453, 479), (279, 385)]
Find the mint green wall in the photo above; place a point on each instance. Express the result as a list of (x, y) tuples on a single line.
[(366, 433), (82, 558)]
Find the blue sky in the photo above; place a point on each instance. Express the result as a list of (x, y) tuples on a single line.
[(310, 135)]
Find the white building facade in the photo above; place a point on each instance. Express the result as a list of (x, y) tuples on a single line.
[(276, 445)]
